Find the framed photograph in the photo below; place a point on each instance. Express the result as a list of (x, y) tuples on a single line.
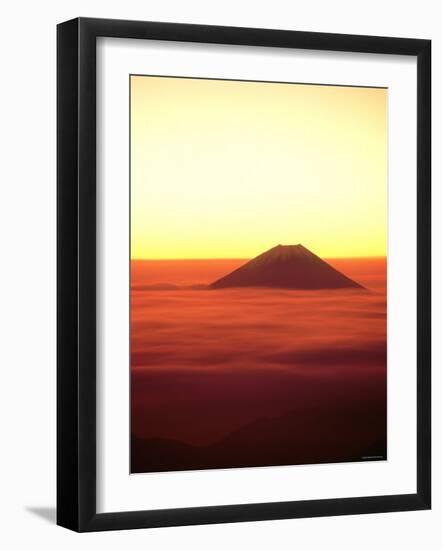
[(243, 274)]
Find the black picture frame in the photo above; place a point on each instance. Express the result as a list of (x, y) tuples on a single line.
[(76, 274)]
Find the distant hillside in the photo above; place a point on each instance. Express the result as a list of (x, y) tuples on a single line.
[(342, 434)]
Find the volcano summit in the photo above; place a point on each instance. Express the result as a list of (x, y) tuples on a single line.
[(286, 266)]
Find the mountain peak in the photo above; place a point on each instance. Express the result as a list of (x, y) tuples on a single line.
[(287, 266)]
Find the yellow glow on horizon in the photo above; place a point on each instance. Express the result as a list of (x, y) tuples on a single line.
[(225, 169)]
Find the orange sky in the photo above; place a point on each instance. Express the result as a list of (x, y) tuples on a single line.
[(225, 169)]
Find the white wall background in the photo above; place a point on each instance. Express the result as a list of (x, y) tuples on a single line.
[(27, 289)]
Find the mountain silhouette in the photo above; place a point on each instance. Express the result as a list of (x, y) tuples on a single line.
[(342, 433), (286, 266)]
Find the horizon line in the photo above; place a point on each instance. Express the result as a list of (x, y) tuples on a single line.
[(377, 256)]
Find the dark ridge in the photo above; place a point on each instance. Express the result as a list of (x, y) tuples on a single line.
[(342, 434)]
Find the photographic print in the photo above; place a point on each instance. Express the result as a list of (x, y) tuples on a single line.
[(258, 280)]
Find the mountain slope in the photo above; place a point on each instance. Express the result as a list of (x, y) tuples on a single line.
[(289, 266), (343, 433)]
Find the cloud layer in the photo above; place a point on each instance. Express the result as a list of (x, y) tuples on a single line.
[(206, 362)]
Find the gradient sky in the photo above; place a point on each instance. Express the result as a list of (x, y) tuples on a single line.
[(225, 169)]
